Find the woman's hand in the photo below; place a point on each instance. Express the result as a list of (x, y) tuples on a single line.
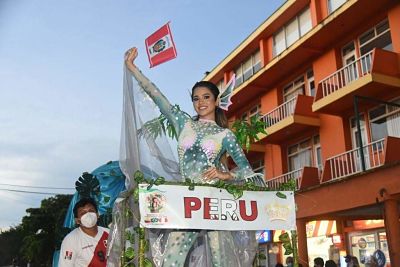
[(212, 173), (130, 57)]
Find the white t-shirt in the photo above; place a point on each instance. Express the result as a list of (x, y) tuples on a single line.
[(82, 250)]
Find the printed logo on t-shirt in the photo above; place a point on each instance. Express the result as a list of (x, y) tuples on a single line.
[(105, 243), (68, 255)]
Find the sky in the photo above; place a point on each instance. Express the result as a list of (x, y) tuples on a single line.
[(61, 80)]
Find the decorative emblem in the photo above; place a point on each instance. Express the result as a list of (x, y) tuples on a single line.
[(277, 211), (155, 202), (159, 46), (68, 255)]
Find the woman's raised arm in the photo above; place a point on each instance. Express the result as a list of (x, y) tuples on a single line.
[(174, 115)]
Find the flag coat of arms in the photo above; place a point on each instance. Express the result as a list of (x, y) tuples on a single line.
[(160, 46)]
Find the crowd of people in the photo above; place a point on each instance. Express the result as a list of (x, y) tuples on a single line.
[(351, 261)]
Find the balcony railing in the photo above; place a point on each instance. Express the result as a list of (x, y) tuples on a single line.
[(281, 112), (347, 74), (349, 163), (275, 182)]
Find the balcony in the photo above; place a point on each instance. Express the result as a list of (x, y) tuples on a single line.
[(349, 163), (375, 74), (288, 119), (304, 178)]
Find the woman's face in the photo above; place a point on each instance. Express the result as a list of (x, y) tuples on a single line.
[(204, 103)]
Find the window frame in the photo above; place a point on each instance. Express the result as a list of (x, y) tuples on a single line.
[(376, 36), (312, 147), (284, 28)]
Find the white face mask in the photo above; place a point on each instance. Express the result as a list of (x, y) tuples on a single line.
[(89, 219)]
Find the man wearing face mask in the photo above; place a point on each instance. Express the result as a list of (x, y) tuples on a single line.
[(86, 245)]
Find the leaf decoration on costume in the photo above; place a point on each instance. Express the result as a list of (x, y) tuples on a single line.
[(226, 94), (87, 185), (247, 132), (160, 125)]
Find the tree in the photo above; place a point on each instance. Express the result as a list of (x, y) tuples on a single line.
[(39, 234), (10, 243)]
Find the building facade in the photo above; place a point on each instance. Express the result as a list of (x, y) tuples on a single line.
[(325, 77)]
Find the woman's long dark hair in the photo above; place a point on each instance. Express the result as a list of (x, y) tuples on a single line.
[(220, 117)]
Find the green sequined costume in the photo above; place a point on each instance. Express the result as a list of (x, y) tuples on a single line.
[(201, 143)]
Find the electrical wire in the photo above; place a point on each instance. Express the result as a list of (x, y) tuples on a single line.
[(39, 187), (30, 192)]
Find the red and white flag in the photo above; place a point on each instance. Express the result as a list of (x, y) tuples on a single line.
[(160, 46)]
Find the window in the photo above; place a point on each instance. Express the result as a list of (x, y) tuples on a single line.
[(258, 166), (335, 4), (292, 31), (310, 83), (220, 84), (248, 68), (299, 86), (256, 61), (300, 155), (254, 111), (305, 22), (384, 120), (239, 76), (317, 153), (279, 42), (305, 153), (293, 89), (378, 36)]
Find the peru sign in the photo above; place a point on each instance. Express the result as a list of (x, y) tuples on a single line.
[(176, 207)]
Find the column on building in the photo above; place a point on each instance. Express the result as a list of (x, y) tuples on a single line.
[(302, 241), (392, 225)]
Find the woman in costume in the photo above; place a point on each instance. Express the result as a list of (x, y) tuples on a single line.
[(202, 144)]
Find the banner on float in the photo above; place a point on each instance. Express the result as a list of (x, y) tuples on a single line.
[(176, 207)]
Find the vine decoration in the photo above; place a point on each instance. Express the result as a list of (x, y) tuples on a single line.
[(235, 190)]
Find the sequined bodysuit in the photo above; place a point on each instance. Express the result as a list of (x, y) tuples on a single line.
[(201, 143)]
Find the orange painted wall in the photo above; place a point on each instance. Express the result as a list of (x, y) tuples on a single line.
[(332, 135), (273, 161), (394, 22), (316, 12), (326, 64), (270, 42), (269, 100), (273, 154), (323, 4), (265, 48)]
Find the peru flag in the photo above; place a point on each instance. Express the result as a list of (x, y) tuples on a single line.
[(160, 46)]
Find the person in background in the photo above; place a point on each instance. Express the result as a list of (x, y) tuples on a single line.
[(289, 261), (318, 262), (372, 262), (86, 245), (351, 261), (330, 263)]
